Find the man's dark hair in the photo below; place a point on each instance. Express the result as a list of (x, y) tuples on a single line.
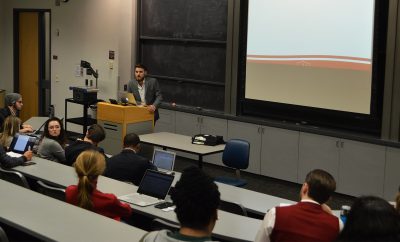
[(131, 139), (140, 65), (371, 219), (96, 133), (196, 197), (321, 185)]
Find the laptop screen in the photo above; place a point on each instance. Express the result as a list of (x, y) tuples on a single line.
[(155, 184), (164, 159), (21, 143)]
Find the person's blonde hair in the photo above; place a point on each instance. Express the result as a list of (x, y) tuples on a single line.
[(11, 126), (88, 166)]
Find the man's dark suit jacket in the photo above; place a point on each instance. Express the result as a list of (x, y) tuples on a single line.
[(73, 150), (127, 166), (152, 93)]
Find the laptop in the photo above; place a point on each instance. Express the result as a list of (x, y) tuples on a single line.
[(164, 160), (21, 143), (131, 99), (153, 189)]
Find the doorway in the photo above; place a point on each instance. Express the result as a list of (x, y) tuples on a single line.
[(32, 50)]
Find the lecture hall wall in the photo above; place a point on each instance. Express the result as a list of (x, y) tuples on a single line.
[(87, 29)]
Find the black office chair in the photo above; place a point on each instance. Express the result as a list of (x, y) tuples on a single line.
[(14, 177), (3, 235), (236, 155), (54, 192), (232, 207), (158, 224)]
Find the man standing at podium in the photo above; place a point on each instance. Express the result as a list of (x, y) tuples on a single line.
[(146, 90)]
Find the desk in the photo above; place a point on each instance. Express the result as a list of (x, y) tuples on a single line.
[(255, 202), (51, 220), (229, 226), (181, 143), (36, 122)]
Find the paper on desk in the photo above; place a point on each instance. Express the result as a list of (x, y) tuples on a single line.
[(13, 154)]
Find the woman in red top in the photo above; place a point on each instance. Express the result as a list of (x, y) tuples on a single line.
[(89, 165)]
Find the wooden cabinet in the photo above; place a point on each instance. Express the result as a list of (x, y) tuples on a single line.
[(318, 152), (166, 122), (392, 173), (273, 151), (280, 153), (357, 167)]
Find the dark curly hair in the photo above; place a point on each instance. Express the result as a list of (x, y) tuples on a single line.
[(197, 198), (371, 219)]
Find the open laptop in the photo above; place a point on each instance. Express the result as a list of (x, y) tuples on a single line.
[(131, 98), (21, 143), (153, 189), (164, 160)]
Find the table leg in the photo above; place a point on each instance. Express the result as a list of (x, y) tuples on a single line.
[(200, 161)]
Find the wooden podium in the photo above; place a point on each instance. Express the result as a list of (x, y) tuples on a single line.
[(118, 120)]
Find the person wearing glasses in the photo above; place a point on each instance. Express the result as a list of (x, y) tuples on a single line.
[(13, 102)]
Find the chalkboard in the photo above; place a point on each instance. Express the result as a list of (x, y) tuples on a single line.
[(191, 61), (187, 19), (192, 94), (183, 43)]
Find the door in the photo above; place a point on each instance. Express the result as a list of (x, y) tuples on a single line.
[(32, 61)]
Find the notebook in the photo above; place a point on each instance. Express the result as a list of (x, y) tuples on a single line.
[(21, 143), (164, 160), (153, 189)]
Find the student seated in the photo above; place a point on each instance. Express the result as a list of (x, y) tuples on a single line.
[(7, 161), (52, 142), (10, 129), (128, 165), (89, 165), (196, 198), (94, 135), (371, 219), (309, 220), (14, 104)]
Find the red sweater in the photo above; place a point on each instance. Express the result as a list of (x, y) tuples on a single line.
[(304, 221), (103, 203)]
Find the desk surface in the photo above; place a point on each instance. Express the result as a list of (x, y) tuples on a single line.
[(49, 219), (179, 142), (36, 122), (229, 225)]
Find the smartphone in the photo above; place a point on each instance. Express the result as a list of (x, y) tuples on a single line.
[(28, 163), (164, 205)]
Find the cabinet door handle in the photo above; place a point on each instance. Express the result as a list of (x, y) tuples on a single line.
[(341, 144), (337, 143), (262, 130), (259, 130)]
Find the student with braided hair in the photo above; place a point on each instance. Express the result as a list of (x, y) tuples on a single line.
[(89, 165)]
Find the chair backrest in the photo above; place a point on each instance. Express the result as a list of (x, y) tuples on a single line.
[(54, 192), (158, 224), (3, 235), (232, 207), (14, 177), (236, 154)]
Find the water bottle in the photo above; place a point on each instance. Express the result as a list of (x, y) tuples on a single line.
[(344, 212)]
